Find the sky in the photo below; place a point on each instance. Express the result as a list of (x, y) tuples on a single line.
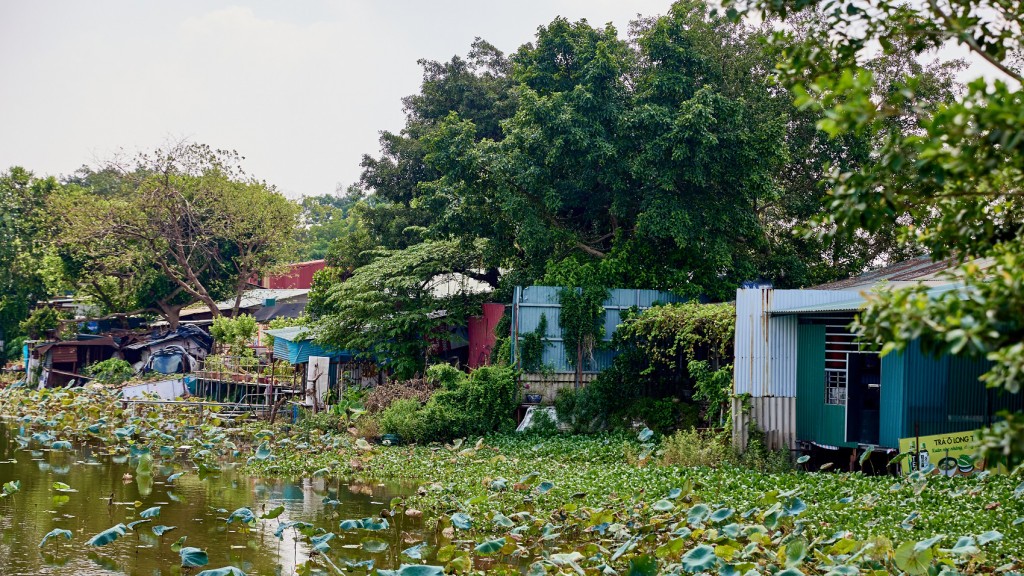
[(301, 89)]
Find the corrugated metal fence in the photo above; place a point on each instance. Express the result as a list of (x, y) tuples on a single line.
[(531, 302)]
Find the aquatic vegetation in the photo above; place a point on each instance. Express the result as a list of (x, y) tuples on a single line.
[(563, 504)]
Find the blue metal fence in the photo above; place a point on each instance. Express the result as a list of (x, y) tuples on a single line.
[(531, 302)]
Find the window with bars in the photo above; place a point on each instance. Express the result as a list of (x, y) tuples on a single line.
[(839, 344)]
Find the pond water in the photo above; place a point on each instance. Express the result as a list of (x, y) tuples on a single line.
[(104, 497)]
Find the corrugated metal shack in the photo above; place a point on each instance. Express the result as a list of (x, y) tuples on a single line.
[(530, 303), (803, 380)]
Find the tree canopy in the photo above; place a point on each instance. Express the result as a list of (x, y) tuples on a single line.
[(163, 230), (947, 177)]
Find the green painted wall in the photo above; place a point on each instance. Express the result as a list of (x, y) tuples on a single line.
[(816, 421), (892, 410)]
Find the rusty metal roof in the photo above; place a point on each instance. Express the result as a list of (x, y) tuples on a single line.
[(919, 269)]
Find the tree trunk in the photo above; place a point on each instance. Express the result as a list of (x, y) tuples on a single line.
[(172, 314)]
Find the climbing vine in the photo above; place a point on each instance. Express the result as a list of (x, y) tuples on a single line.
[(532, 345), (581, 319), (666, 334)]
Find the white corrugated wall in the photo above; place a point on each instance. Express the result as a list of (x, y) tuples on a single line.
[(765, 360)]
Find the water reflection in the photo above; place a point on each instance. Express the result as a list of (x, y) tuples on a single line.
[(107, 491)]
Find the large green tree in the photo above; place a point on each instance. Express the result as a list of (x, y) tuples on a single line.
[(395, 308), (949, 178), (180, 225), (23, 234)]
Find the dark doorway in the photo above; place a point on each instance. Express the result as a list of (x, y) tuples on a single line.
[(864, 387)]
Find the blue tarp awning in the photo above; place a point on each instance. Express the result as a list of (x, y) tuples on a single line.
[(295, 344)]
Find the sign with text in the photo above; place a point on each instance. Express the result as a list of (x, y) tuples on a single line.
[(951, 454)]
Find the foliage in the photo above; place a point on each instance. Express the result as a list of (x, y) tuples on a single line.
[(543, 424), (581, 318), (501, 354), (237, 333), (403, 418), (479, 403), (24, 231), (698, 448), (952, 182), (390, 309), (582, 493), (179, 225), (668, 160), (532, 345), (324, 421), (324, 219), (382, 395), (42, 321), (663, 352), (111, 371), (714, 387)]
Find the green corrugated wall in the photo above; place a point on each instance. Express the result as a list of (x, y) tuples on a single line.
[(938, 394), (892, 411), (816, 421)]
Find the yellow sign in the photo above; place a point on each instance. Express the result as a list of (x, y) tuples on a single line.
[(950, 454)]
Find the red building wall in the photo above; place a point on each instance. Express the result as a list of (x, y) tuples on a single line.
[(299, 276), (481, 334)]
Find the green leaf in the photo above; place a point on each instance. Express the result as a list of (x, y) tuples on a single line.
[(193, 557), (721, 515), (699, 559), (644, 565), (62, 487), (928, 543), (462, 521), (56, 532), (697, 514), (415, 552), (965, 546), (107, 536), (990, 536), (796, 551), (413, 570), (150, 512), (663, 506), (273, 513), (263, 451), (913, 561), (243, 515), (225, 571), (176, 547), (490, 547)]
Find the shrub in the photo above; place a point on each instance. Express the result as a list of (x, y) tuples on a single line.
[(694, 448), (111, 371), (380, 397), (445, 376), (322, 421), (480, 403), (403, 418), (758, 457), (659, 415)]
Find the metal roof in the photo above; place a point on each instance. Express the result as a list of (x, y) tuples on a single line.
[(857, 303), (919, 270), (250, 299), (292, 333)]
